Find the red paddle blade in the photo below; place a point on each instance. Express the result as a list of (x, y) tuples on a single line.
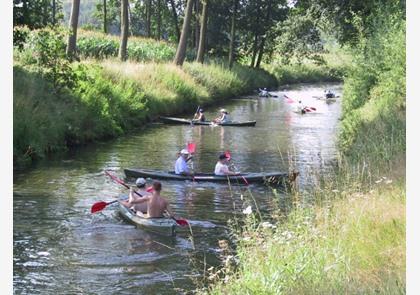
[(191, 147), (312, 108), (98, 207), (227, 154), (149, 189), (181, 222)]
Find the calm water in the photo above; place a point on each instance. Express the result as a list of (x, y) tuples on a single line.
[(61, 248)]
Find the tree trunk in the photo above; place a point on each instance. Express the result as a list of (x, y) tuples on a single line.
[(260, 52), (232, 35), (256, 35), (148, 17), (53, 11), (122, 53), (175, 17), (159, 21), (105, 20), (196, 41), (203, 33), (262, 43), (182, 45), (74, 19)]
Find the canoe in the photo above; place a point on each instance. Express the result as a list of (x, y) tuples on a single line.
[(165, 226), (263, 177), (171, 120)]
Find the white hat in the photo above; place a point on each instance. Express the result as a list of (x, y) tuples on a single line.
[(184, 152), (223, 111), (140, 181)]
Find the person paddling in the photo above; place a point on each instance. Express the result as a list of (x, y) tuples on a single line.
[(199, 117), (223, 118), (222, 167), (181, 166), (156, 204), (141, 189)]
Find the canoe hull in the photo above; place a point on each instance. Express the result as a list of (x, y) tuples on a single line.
[(172, 120), (270, 178), (165, 226)]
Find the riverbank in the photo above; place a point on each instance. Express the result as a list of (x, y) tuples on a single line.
[(111, 98)]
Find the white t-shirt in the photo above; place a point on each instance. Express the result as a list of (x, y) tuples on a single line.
[(221, 169), (181, 166)]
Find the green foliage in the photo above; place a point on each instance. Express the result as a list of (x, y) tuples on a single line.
[(98, 45), (45, 51), (36, 13), (374, 95), (299, 39), (20, 36)]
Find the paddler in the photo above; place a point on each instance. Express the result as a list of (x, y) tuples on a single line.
[(223, 118), (222, 168), (156, 204), (181, 166), (141, 189), (199, 117)]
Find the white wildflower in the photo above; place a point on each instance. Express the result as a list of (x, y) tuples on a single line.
[(247, 210)]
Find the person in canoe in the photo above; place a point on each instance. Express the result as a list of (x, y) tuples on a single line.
[(300, 108), (222, 167), (223, 118), (141, 189), (263, 92), (156, 204), (181, 166), (199, 117)]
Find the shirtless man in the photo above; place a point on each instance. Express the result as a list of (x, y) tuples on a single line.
[(156, 204)]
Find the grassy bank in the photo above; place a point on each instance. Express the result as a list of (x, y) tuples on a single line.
[(353, 245), (110, 98)]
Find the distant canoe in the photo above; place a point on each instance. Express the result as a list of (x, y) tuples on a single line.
[(165, 226), (171, 120), (262, 177)]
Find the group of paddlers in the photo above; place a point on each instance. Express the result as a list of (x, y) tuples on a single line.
[(224, 117), (151, 204)]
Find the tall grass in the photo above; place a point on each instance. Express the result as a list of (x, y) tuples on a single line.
[(352, 242)]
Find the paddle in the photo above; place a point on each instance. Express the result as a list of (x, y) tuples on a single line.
[(227, 154), (181, 221), (100, 206), (194, 115), (191, 149)]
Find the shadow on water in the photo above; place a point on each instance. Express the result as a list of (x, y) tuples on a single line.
[(60, 247)]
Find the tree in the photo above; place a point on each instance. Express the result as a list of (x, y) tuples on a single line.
[(203, 33), (175, 18), (159, 20), (182, 45), (122, 53), (74, 18), (105, 20), (36, 13), (232, 34)]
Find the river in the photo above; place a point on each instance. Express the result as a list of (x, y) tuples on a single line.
[(61, 248)]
